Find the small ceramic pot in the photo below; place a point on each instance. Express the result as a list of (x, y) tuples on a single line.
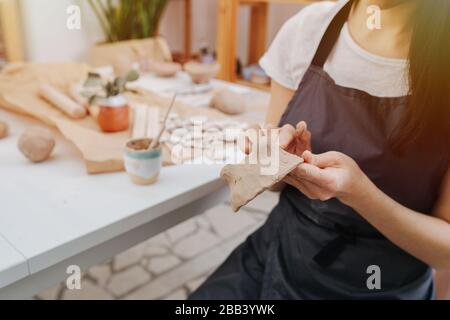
[(165, 69), (201, 72), (113, 114), (142, 165)]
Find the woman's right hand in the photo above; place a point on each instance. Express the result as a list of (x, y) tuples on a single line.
[(293, 140)]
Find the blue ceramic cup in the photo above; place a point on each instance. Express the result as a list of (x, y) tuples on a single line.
[(142, 165)]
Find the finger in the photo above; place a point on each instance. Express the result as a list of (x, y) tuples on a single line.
[(301, 127), (312, 174), (309, 189), (323, 160), (287, 135), (244, 143), (248, 138), (299, 186)]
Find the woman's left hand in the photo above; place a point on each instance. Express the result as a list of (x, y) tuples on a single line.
[(328, 175)]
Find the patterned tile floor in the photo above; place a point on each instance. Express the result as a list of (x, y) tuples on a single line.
[(174, 263)]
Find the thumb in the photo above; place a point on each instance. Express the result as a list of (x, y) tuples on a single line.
[(322, 160)]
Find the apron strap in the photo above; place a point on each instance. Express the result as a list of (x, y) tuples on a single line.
[(331, 35)]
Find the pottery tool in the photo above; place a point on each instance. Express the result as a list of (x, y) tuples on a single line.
[(139, 121), (155, 141), (153, 125)]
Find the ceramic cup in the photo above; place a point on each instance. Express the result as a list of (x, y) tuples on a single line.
[(142, 165)]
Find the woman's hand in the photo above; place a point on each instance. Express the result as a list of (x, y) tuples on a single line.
[(328, 175), (294, 140)]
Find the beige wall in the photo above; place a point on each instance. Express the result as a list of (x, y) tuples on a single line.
[(47, 39)]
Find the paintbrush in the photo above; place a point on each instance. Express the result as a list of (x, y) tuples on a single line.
[(155, 141)]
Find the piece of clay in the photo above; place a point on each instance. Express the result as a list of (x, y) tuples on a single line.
[(36, 144), (247, 180), (62, 102), (164, 69), (4, 129), (228, 101), (201, 72)]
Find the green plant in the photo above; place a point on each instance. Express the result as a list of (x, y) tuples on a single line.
[(128, 19), (96, 88)]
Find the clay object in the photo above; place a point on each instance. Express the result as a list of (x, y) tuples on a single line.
[(62, 102), (246, 180), (3, 129), (201, 72), (142, 163), (36, 144), (228, 102), (114, 114), (165, 69)]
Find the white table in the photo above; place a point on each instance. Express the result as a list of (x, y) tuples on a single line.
[(53, 214)]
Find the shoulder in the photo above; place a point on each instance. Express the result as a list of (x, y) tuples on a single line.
[(306, 28), (295, 44), (312, 15)]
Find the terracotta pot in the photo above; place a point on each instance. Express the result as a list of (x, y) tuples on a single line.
[(123, 55), (113, 114), (201, 72)]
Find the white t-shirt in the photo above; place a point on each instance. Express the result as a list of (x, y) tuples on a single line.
[(293, 49)]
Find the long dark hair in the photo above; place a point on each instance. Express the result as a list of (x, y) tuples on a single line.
[(427, 115)]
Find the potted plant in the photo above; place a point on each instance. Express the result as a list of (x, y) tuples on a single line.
[(113, 115), (131, 33)]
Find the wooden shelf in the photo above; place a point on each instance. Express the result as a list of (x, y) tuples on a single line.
[(11, 31), (227, 35)]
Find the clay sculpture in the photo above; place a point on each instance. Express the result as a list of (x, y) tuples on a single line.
[(228, 101), (36, 144), (246, 180), (62, 102), (201, 72), (3, 129)]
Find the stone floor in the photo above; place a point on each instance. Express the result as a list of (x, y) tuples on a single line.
[(174, 263)]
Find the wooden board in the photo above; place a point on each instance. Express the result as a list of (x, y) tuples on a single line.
[(102, 152)]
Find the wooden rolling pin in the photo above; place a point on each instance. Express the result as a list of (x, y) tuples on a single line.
[(62, 102)]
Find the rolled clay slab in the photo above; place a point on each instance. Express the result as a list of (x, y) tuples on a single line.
[(246, 181)]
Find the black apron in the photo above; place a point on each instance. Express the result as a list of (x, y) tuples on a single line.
[(310, 249)]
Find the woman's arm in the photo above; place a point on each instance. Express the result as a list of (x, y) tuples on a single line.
[(423, 236), (279, 99), (334, 174)]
